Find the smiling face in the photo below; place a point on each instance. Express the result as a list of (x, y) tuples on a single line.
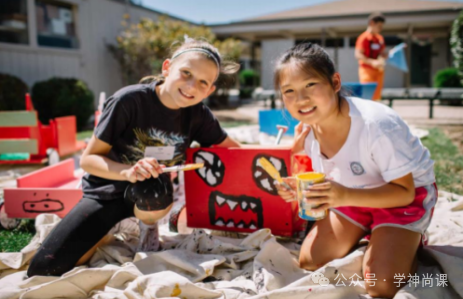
[(189, 79), (308, 97)]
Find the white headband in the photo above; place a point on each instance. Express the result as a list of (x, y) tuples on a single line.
[(209, 53)]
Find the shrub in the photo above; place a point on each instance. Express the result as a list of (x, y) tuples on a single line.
[(246, 92), (63, 97), (456, 45), (141, 48), (249, 78), (12, 93), (447, 77)]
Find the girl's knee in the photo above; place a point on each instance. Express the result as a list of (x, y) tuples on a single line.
[(307, 262), (381, 284), (154, 194), (382, 289), (151, 217)]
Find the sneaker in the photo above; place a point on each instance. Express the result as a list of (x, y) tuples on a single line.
[(149, 238)]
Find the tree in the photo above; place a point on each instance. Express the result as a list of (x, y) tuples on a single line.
[(141, 48), (456, 44)]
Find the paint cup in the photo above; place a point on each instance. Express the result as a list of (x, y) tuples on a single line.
[(304, 181)]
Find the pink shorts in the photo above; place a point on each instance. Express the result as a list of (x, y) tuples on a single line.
[(415, 217)]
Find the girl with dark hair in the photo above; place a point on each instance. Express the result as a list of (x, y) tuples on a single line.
[(380, 179)]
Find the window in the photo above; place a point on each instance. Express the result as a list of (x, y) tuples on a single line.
[(55, 25), (390, 40), (13, 22), (329, 42)]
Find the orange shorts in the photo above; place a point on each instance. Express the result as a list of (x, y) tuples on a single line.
[(368, 75)]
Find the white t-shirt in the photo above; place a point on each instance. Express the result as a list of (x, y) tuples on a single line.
[(379, 148)]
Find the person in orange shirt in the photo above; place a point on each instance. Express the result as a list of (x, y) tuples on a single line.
[(371, 54)]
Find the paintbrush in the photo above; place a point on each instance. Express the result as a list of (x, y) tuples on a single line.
[(271, 170), (183, 167)]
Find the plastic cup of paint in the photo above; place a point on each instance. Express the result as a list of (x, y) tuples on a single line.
[(304, 181)]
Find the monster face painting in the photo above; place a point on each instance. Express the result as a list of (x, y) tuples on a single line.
[(233, 192), (235, 211), (213, 171), (262, 179)]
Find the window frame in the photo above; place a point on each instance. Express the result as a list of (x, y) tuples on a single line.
[(32, 46)]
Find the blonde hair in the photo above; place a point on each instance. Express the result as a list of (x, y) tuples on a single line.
[(210, 52)]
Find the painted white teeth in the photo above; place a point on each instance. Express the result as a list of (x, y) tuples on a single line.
[(253, 205), (202, 172), (211, 179), (230, 224), (219, 163), (244, 205), (232, 204), (199, 160), (276, 163), (240, 225), (217, 174), (257, 174), (220, 200), (252, 226), (208, 156), (219, 223), (266, 184)]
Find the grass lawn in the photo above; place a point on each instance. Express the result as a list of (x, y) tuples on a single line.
[(448, 160), (17, 239), (84, 134), (448, 169)]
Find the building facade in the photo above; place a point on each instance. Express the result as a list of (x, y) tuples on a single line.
[(41, 39), (423, 25)]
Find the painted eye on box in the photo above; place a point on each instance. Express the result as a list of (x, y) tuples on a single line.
[(262, 179), (213, 171)]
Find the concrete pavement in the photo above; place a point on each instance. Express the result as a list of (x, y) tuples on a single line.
[(414, 112)]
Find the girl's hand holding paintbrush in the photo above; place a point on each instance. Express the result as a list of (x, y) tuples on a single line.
[(149, 167), (285, 186), (144, 169), (288, 195)]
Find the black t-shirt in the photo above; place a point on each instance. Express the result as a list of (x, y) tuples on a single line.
[(134, 118)]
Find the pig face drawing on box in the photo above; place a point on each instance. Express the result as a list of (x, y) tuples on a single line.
[(43, 205)]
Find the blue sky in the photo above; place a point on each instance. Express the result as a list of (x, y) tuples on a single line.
[(224, 11)]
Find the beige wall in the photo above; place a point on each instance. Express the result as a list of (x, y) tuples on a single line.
[(441, 57), (271, 50), (98, 23), (347, 64)]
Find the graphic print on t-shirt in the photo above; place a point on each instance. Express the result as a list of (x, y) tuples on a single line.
[(357, 168), (155, 137)]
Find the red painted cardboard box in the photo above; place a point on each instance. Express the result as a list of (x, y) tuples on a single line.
[(233, 193)]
